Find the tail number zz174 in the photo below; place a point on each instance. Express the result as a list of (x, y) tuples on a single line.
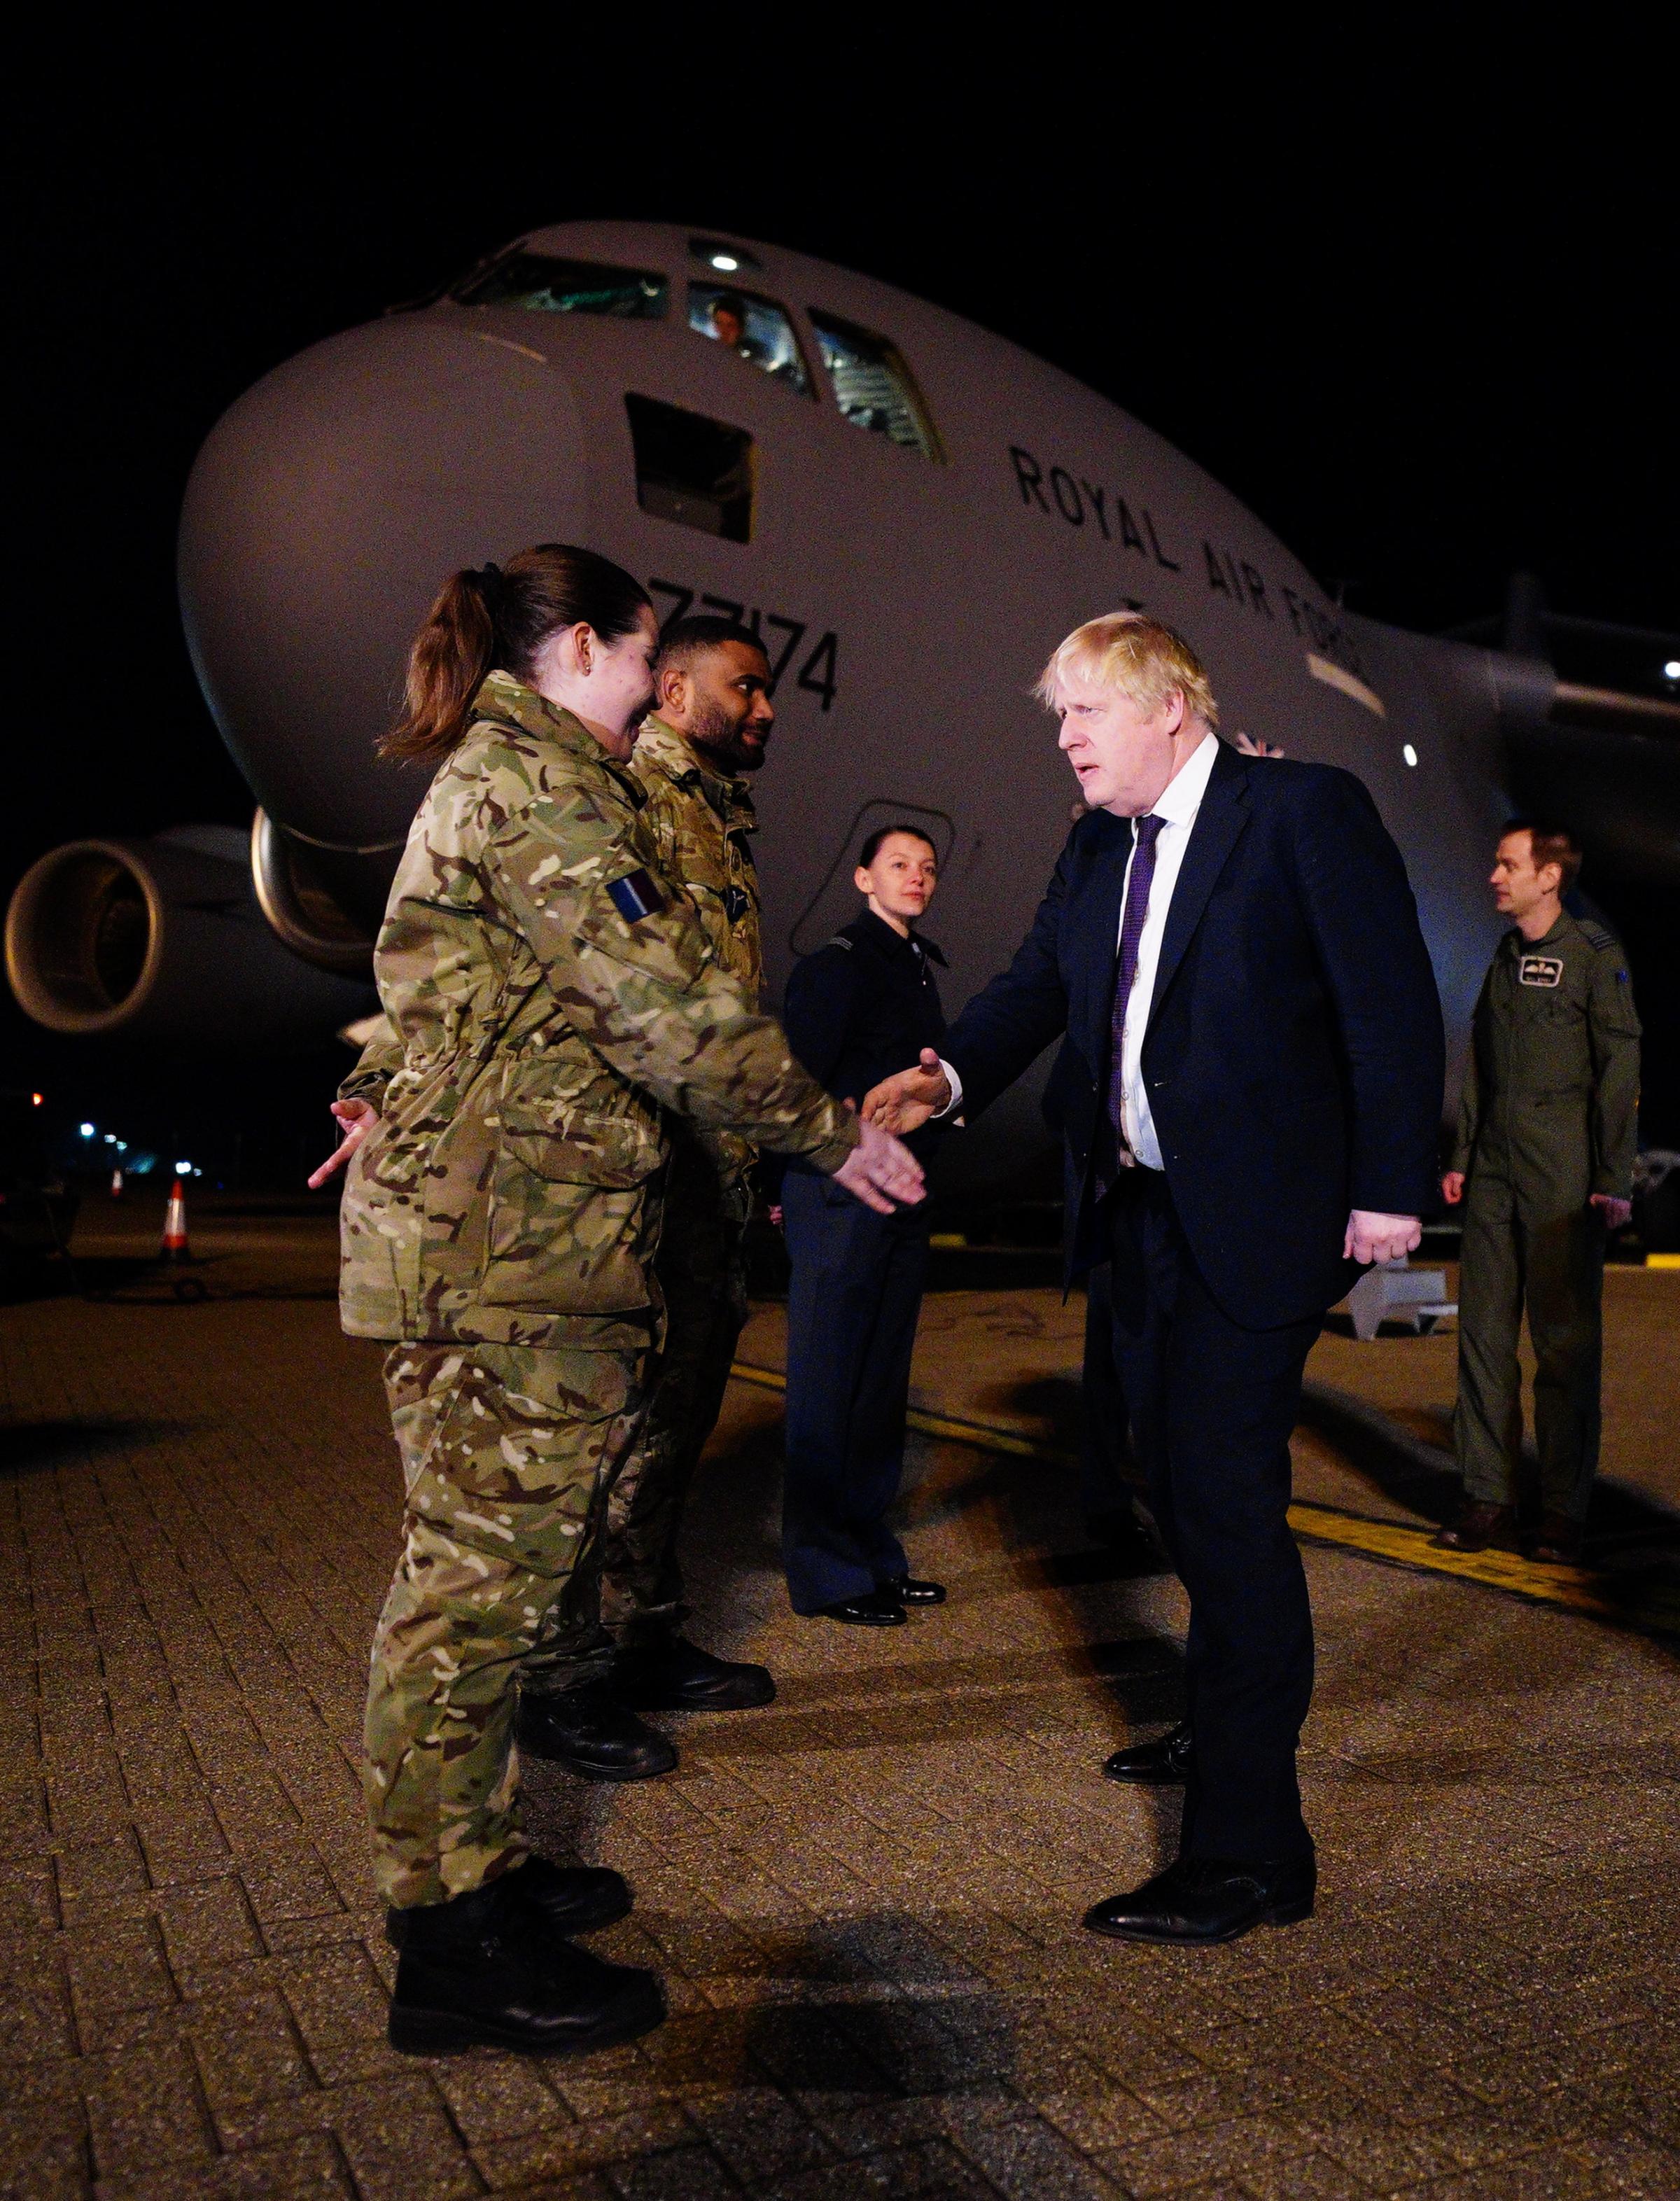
[(783, 638)]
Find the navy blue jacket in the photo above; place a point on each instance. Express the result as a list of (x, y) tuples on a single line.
[(863, 1006), (1294, 1055)]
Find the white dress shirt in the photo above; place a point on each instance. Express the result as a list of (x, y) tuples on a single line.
[(1177, 805)]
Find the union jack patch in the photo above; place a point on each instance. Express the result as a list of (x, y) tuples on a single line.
[(635, 895)]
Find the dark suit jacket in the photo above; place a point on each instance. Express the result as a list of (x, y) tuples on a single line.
[(1293, 1058)]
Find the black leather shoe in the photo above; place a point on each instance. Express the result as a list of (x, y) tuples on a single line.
[(590, 1733), (1559, 1541), (877, 1609), (1200, 1900), (1167, 1758), (1478, 1525), (905, 1589), (471, 1971), (567, 1899), (679, 1676)]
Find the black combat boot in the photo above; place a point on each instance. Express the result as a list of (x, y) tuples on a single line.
[(679, 1676), (589, 1732), (473, 1972), (576, 1898)]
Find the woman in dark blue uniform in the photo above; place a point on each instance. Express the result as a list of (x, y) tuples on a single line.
[(859, 1008)]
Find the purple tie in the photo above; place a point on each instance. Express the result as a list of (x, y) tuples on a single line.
[(1132, 936)]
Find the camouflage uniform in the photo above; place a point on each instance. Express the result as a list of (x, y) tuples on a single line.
[(1548, 1118), (551, 999), (700, 821)]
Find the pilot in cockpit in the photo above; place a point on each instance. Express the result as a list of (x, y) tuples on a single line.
[(729, 326)]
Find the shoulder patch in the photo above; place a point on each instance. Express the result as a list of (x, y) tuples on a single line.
[(1599, 935), (838, 940), (635, 895)]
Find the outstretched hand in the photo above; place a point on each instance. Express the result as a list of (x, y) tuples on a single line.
[(880, 1173), (905, 1101), (1373, 1237), (356, 1119)]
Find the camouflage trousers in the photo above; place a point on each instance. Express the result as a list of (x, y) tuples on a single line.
[(509, 1453), (637, 1579)]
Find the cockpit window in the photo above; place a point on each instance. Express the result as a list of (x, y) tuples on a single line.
[(544, 285), (757, 328), (872, 386)]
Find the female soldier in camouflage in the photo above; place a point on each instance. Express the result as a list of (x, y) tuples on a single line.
[(550, 997)]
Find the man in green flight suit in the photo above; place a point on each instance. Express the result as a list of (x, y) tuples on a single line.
[(710, 727), (1543, 1166)]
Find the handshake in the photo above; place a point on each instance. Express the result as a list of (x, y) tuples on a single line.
[(880, 1171), (904, 1102)]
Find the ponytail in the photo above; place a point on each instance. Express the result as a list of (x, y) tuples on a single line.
[(492, 617)]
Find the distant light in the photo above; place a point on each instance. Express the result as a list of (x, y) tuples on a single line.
[(36, 1098), (87, 1130), (122, 1145), (1671, 669), (725, 262), (110, 1138), (1409, 753), (183, 1169)]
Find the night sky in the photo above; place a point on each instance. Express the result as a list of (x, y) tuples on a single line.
[(1415, 310)]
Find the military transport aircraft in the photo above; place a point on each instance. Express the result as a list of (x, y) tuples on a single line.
[(909, 511)]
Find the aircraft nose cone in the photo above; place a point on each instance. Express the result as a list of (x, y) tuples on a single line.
[(327, 509)]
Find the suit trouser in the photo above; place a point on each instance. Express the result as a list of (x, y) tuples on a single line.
[(1107, 1472), (1212, 1407), (854, 1297), (1554, 1263)]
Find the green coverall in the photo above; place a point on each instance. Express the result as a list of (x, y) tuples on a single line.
[(1549, 1117)]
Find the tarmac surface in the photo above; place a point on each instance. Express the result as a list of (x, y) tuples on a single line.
[(864, 1899)]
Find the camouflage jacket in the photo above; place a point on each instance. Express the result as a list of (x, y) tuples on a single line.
[(551, 998), (1551, 1093), (702, 821)]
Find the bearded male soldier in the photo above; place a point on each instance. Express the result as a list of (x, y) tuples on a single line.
[(710, 727)]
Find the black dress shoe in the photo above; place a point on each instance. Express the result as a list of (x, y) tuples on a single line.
[(679, 1676), (1200, 1900), (877, 1609), (590, 1733), (471, 1971), (1479, 1524), (905, 1589), (1167, 1758), (565, 1899), (1559, 1541)]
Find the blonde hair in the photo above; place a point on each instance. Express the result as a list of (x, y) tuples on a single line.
[(1138, 654)]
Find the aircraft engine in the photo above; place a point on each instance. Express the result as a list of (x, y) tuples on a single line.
[(163, 939)]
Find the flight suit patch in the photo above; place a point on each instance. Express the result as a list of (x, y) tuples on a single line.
[(1540, 971), (635, 895)]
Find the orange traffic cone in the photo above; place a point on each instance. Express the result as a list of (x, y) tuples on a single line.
[(174, 1225), (116, 1184)]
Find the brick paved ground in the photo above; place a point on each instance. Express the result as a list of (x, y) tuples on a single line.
[(863, 1898)]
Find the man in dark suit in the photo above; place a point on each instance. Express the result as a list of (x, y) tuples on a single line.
[(1251, 1081)]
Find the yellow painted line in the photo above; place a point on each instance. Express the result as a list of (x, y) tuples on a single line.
[(1662, 1260), (1578, 1589)]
